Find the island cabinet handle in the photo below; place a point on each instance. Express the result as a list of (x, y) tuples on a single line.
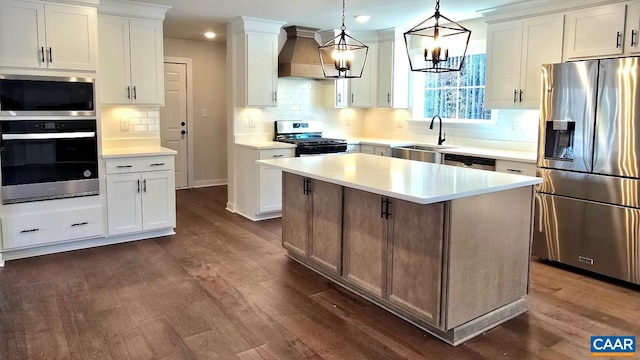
[(384, 208), (514, 170), (278, 155), (305, 186)]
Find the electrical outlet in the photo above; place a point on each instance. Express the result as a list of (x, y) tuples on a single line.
[(205, 113), (347, 120), (124, 124), (252, 122)]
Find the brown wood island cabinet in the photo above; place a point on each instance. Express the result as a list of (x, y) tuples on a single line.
[(454, 268)]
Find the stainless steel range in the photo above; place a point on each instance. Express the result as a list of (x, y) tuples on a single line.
[(307, 135)]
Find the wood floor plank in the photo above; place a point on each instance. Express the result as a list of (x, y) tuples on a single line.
[(223, 288)]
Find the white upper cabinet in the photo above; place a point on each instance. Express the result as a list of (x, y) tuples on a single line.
[(595, 32), (363, 89), (253, 45), (393, 71), (516, 51), (43, 35), (131, 61), (262, 70), (632, 34)]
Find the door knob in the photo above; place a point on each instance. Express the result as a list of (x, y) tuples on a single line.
[(183, 132), (183, 123)]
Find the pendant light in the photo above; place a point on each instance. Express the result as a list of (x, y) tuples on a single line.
[(435, 47), (343, 57)]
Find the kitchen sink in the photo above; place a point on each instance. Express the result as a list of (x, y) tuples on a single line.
[(426, 153)]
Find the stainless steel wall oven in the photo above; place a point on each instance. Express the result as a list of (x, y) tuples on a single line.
[(47, 96), (48, 159)]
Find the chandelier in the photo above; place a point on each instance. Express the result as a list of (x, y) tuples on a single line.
[(436, 47), (343, 57)]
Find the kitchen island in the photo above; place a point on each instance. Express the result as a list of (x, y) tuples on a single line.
[(445, 248)]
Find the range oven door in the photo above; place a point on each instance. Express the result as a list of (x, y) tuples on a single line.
[(47, 159)]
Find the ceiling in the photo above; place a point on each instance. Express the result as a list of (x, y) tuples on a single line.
[(189, 19)]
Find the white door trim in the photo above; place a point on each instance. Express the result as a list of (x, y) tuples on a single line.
[(189, 63)]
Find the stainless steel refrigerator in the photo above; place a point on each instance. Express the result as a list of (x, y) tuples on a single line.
[(587, 210)]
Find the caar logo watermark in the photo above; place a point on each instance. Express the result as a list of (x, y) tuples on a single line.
[(613, 345)]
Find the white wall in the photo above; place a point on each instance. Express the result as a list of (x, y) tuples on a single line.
[(209, 92)]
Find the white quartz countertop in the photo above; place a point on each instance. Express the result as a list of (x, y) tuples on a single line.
[(264, 145), (414, 181), (136, 151)]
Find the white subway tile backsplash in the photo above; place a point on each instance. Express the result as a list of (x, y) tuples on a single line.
[(141, 128), (135, 121), (154, 127), (148, 121), (139, 114), (155, 114)]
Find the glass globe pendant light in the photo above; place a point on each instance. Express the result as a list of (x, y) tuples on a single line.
[(343, 57)]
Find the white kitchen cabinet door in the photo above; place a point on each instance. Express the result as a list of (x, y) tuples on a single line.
[(22, 38), (71, 33), (158, 200), (262, 70), (115, 66), (632, 33), (504, 49), (393, 76), (594, 32), (363, 90), (147, 63), (541, 44), (124, 203), (270, 189)]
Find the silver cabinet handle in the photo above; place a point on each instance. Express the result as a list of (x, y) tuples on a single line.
[(634, 34), (515, 96), (514, 170), (157, 164), (29, 231), (128, 92), (124, 166), (275, 96), (278, 156), (50, 55), (339, 98), (388, 98), (144, 185), (42, 53), (351, 97), (138, 181), (80, 224), (135, 93)]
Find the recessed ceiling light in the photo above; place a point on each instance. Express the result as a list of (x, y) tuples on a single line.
[(362, 18), (209, 34)]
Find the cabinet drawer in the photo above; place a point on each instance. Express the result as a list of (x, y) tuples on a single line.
[(276, 153), (50, 227), (516, 167), (138, 164)]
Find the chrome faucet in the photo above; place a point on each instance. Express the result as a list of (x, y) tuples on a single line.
[(441, 138)]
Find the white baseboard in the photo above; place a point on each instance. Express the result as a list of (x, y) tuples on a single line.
[(1, 261), (231, 207), (207, 183)]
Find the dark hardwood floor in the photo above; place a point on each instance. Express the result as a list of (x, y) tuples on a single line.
[(222, 288)]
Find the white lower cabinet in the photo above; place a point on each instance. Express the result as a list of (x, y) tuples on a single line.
[(375, 150), (259, 192), (50, 227), (140, 194)]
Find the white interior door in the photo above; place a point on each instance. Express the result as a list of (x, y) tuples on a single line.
[(173, 118)]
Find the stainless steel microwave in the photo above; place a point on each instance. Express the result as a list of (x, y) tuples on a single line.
[(46, 96)]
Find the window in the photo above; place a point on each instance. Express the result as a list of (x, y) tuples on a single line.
[(453, 95)]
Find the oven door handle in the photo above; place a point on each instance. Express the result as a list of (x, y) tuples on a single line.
[(45, 136)]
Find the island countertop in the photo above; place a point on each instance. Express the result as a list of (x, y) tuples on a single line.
[(414, 181)]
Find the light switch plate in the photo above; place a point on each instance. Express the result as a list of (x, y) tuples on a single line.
[(205, 113), (124, 124)]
